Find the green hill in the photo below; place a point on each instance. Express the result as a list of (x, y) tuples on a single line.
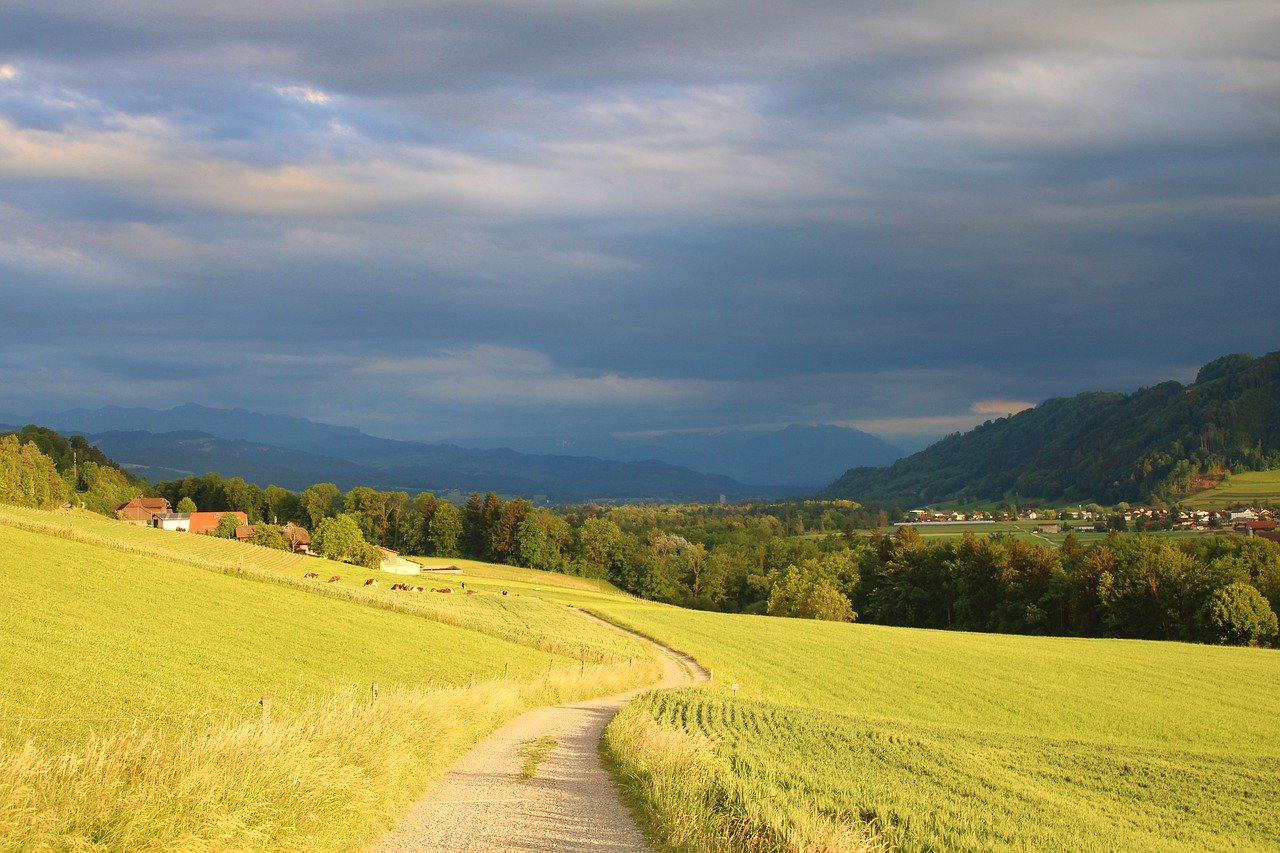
[(1165, 441), (136, 660)]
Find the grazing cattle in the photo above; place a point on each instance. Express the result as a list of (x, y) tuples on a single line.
[(371, 582), (399, 586), (334, 579), (471, 592), (444, 589), (312, 575), (417, 589)]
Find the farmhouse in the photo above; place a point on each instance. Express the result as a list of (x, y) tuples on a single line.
[(141, 510), (194, 522), (298, 538)]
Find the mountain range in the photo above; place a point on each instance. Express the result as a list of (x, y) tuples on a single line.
[(803, 456), (294, 452), (1158, 442)]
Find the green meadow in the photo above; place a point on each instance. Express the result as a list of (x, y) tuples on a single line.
[(129, 715), (927, 740), (135, 661), (1251, 489)]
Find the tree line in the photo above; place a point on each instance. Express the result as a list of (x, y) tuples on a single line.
[(805, 559)]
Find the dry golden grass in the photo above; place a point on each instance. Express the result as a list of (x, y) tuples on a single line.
[(331, 777)]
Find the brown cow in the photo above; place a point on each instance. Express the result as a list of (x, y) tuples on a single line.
[(446, 590), (334, 579), (312, 575), (371, 582), (399, 586), (471, 592), (417, 589)]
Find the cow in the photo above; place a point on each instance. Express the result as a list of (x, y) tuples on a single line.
[(417, 589), (444, 589), (371, 582), (471, 592), (399, 586), (312, 576), (334, 579)]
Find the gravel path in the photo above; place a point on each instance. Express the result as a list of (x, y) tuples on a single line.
[(571, 804)]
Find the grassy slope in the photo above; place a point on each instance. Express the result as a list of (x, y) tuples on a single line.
[(128, 690), (966, 741), (103, 634), (1250, 489)]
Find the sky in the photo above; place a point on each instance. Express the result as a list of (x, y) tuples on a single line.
[(458, 220)]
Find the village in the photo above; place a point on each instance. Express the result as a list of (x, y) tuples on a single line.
[(1256, 521)]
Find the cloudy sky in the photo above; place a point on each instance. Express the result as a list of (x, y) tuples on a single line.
[(465, 219)]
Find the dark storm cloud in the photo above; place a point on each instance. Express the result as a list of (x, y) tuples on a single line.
[(423, 217)]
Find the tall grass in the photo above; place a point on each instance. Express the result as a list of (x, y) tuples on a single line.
[(330, 777), (693, 800)]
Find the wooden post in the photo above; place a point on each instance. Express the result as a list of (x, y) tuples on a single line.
[(374, 692), (265, 702)]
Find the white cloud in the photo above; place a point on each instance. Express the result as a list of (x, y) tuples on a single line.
[(305, 94)]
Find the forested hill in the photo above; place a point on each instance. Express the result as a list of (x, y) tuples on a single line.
[(1163, 442)]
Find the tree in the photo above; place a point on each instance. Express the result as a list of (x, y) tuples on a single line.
[(809, 590), (318, 502), (227, 525), (531, 548), (1237, 614), (269, 536), (339, 538), (444, 531), (186, 505), (27, 476)]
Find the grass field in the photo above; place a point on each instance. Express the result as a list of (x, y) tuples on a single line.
[(948, 740), (129, 716), (134, 662), (1251, 489)]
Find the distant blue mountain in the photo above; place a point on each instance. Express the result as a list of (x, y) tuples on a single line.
[(294, 452), (797, 456)]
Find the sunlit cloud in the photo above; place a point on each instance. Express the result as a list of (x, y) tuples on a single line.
[(305, 94)]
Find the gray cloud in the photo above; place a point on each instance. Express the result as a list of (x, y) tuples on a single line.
[(451, 218)]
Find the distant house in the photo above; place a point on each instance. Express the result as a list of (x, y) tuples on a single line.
[(195, 522), (141, 510), (171, 521), (1049, 527), (394, 563), (298, 538), (1251, 528)]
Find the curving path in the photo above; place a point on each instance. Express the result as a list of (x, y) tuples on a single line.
[(571, 804)]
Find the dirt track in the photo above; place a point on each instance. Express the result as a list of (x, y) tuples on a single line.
[(571, 804)]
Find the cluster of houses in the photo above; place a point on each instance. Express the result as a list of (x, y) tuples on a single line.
[(158, 513), (1248, 522)]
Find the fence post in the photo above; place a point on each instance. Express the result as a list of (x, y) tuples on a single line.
[(374, 691), (265, 702)]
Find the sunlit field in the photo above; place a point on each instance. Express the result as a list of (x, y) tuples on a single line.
[(131, 689), (948, 740), (1251, 489)]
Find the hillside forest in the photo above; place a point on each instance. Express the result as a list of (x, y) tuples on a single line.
[(745, 558), (1156, 444)]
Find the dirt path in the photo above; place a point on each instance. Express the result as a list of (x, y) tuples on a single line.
[(483, 803)]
